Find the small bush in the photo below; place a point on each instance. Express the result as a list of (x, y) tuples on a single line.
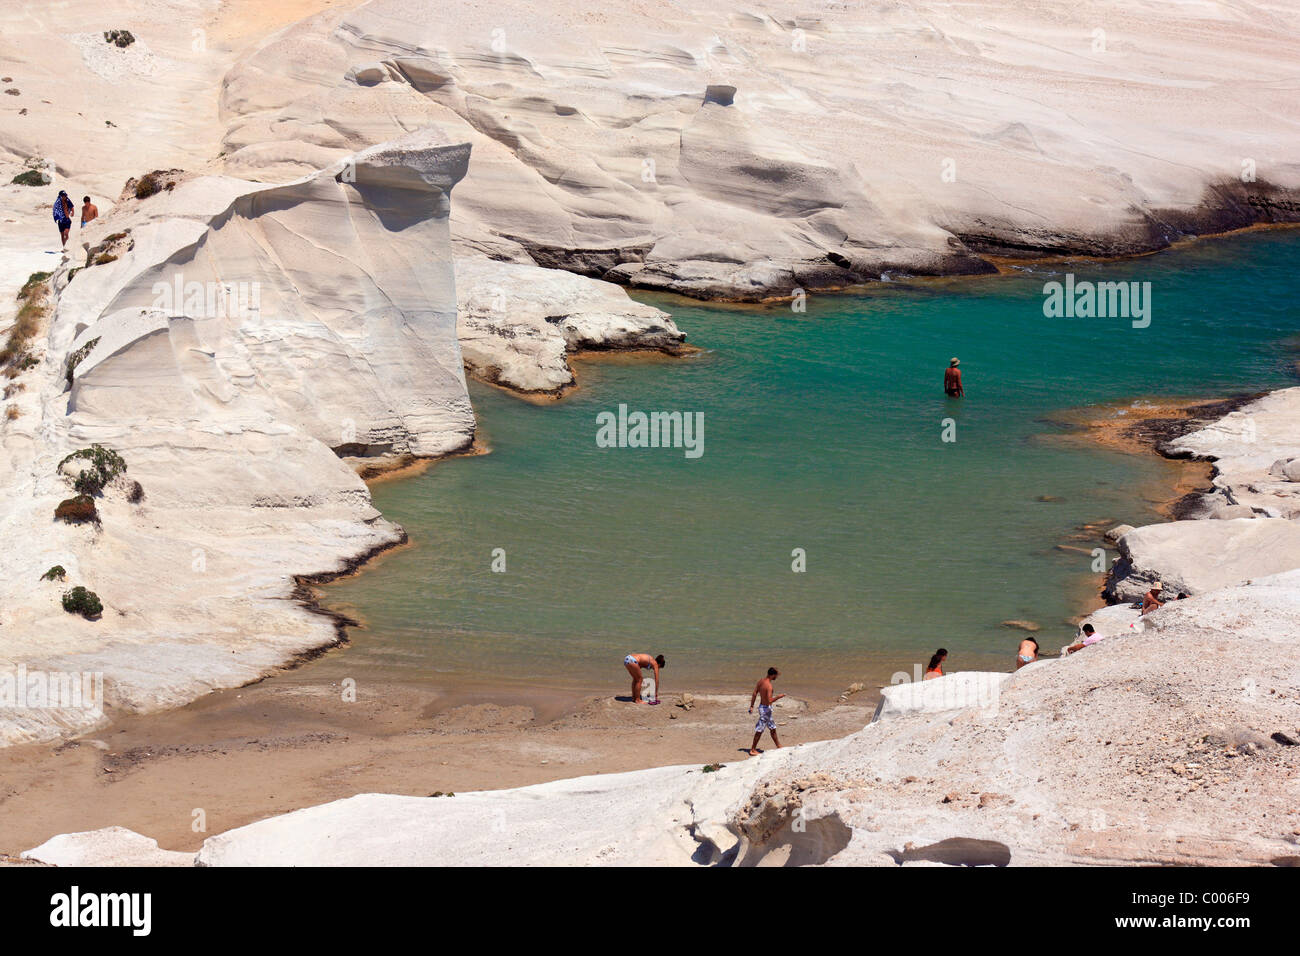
[(147, 185), (33, 284), (115, 237), (55, 573), (78, 510), (76, 358), (87, 483), (120, 38), (33, 177), (104, 258), (105, 465), (83, 602), (12, 412), (13, 389), (135, 494), (27, 323)]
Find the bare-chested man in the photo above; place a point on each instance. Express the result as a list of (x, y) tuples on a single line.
[(89, 211), (1151, 600), (634, 664), (1028, 652), (763, 691), (952, 380)]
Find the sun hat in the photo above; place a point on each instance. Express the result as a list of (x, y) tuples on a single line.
[(955, 362)]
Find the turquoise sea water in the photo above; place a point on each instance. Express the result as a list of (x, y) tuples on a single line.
[(823, 431)]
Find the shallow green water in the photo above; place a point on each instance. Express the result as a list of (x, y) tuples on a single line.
[(823, 432)]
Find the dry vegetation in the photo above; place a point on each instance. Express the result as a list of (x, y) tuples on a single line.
[(34, 298)]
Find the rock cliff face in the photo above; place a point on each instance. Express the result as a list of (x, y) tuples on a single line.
[(237, 341), (519, 323), (745, 152)]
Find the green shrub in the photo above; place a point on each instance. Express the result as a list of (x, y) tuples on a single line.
[(77, 510), (33, 177), (83, 602), (120, 38), (77, 357), (55, 573), (105, 465), (104, 258)]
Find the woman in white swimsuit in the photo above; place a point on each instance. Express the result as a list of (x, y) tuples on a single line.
[(634, 664)]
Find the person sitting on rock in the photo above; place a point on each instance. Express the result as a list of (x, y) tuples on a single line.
[(1089, 636), (936, 664), (1151, 600)]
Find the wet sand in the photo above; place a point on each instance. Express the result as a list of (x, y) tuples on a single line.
[(241, 755)]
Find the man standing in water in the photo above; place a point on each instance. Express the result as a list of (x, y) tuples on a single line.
[(952, 380), (763, 691), (634, 663)]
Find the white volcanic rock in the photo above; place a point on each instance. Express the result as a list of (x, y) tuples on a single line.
[(519, 322), (951, 692), (245, 338), (1253, 504), (1199, 556), (111, 846), (1251, 449), (743, 153)]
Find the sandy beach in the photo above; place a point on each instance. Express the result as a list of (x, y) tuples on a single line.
[(246, 754)]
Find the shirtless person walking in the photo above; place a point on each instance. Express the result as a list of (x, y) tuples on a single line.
[(89, 212), (952, 380), (763, 691), (634, 664)]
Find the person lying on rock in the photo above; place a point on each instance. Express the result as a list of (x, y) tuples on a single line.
[(634, 664), (1151, 600)]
